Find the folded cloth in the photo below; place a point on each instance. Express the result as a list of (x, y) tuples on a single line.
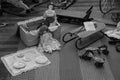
[(24, 60)]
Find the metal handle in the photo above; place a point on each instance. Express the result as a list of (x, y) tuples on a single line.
[(69, 34)]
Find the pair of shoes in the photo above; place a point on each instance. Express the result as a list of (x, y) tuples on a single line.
[(90, 55)]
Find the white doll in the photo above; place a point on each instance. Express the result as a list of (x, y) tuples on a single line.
[(48, 43), (51, 18)]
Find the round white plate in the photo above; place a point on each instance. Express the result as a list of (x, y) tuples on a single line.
[(41, 60), (19, 65), (26, 59)]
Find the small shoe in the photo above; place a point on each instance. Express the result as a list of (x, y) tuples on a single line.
[(99, 62)]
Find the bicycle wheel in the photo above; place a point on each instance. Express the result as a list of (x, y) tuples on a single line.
[(106, 6)]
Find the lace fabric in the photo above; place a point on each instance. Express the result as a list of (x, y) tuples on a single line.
[(48, 43)]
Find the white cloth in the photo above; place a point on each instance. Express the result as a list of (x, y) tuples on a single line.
[(30, 60)]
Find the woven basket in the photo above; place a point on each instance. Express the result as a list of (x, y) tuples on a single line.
[(30, 37)]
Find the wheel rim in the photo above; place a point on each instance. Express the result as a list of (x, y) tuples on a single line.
[(106, 6)]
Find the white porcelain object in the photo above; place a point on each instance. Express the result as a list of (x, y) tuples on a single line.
[(41, 60), (20, 55), (19, 65), (53, 28), (26, 59)]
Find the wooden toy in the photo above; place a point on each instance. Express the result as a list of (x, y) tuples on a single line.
[(84, 38)]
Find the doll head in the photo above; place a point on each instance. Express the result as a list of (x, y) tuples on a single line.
[(43, 29), (51, 6)]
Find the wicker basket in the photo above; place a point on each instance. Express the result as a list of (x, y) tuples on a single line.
[(30, 37)]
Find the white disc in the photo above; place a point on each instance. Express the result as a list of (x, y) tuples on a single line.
[(41, 60), (19, 65), (26, 59)]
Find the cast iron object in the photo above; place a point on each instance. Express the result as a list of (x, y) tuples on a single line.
[(99, 64), (73, 36)]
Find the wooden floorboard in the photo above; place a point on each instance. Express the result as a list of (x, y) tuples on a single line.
[(66, 62)]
